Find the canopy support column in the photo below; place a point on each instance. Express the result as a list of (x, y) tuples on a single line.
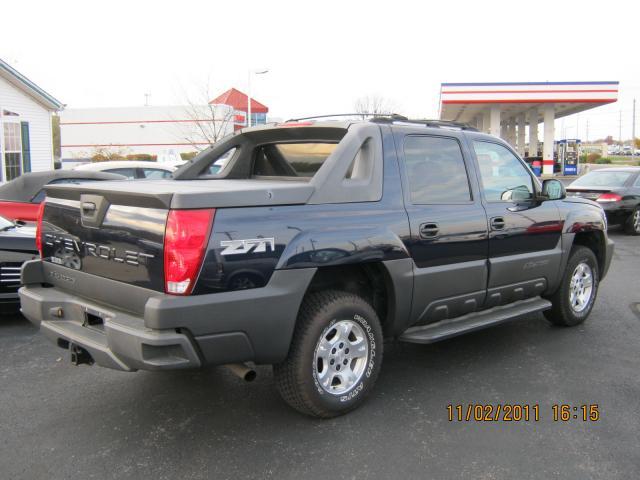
[(494, 120), (549, 137), (521, 132)]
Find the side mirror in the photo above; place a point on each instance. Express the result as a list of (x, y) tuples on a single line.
[(553, 189)]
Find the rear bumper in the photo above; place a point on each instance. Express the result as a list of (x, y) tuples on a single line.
[(159, 331), (121, 342), (616, 213)]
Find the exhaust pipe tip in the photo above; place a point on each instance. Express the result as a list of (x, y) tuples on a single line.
[(243, 371), (250, 376)]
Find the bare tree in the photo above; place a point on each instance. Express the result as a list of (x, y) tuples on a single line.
[(208, 122), (374, 105), (106, 154)]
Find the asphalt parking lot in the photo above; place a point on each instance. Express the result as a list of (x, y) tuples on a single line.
[(60, 421)]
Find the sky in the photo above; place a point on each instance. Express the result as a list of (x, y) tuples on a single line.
[(323, 55)]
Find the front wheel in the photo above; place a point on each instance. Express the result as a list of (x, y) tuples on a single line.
[(574, 299), (335, 355)]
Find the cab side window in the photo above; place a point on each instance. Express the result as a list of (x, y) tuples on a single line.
[(435, 170), (504, 178), (130, 173)]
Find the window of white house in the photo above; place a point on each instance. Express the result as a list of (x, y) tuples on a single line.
[(12, 150)]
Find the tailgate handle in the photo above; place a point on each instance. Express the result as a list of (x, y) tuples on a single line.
[(88, 206), (93, 209)]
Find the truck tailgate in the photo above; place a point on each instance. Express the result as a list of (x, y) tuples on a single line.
[(116, 229), (125, 244)]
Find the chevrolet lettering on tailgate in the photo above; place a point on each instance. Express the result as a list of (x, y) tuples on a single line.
[(69, 245)]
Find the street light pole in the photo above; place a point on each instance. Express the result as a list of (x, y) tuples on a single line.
[(256, 72), (249, 100), (633, 133)]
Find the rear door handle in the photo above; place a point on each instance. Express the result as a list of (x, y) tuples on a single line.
[(429, 230), (497, 223)]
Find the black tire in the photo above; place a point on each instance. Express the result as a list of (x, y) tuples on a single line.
[(297, 377), (562, 313), (632, 224)]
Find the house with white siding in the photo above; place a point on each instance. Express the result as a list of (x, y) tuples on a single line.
[(26, 139)]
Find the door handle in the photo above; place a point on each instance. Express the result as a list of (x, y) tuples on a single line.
[(429, 230), (497, 223)]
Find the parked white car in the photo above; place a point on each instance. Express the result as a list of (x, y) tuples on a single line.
[(131, 169)]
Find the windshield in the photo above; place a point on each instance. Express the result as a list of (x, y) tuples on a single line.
[(602, 179), (4, 223)]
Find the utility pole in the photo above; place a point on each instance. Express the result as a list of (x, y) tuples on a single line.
[(633, 132), (620, 130), (587, 131), (146, 99)]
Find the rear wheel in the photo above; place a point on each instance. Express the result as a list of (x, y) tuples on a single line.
[(335, 355), (574, 299), (632, 225)]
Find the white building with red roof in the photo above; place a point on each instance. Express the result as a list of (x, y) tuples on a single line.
[(161, 131)]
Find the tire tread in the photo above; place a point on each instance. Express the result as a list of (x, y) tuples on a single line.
[(560, 312), (289, 382)]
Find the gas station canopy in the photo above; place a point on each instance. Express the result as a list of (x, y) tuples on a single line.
[(506, 109)]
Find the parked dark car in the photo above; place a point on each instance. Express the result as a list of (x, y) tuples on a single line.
[(17, 245), (617, 190), (21, 197)]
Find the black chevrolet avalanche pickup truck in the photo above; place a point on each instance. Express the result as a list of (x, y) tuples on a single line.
[(314, 242)]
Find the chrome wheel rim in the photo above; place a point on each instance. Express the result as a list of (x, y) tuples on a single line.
[(581, 287), (341, 356), (636, 220)]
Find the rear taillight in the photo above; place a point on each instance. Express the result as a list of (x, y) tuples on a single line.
[(185, 240), (609, 197), (39, 228)]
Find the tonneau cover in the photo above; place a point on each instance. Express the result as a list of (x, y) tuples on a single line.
[(210, 193)]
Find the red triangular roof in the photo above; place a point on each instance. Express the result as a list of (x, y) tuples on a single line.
[(238, 101)]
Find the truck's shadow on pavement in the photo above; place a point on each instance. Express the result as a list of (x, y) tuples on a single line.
[(217, 397)]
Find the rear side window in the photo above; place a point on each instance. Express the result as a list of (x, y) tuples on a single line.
[(435, 170), (290, 159), (155, 173), (130, 173)]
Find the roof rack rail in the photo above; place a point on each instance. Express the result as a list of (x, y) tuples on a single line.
[(340, 115), (425, 122), (394, 118)]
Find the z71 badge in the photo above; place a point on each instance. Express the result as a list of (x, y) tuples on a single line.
[(254, 245)]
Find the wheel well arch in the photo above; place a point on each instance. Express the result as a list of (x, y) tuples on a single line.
[(595, 241), (370, 281)]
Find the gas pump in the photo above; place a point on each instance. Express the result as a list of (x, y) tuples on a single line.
[(568, 156)]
